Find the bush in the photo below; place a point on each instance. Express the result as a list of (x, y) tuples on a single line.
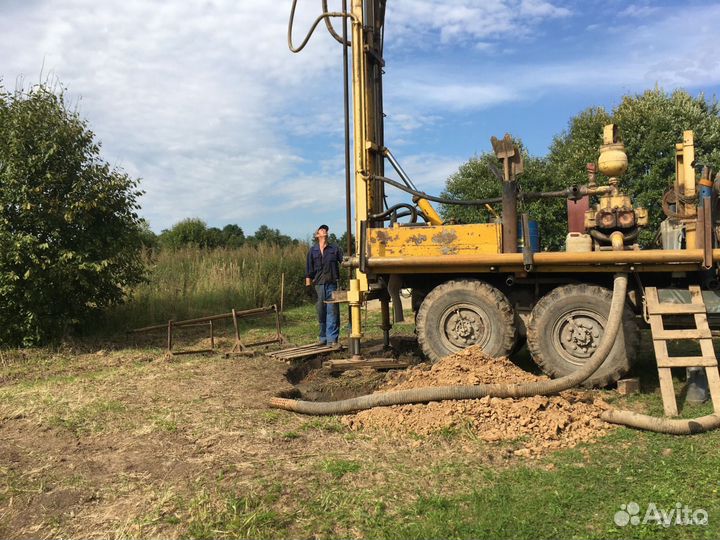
[(69, 232)]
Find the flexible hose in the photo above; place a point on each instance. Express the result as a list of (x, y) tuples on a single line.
[(291, 22), (670, 426), (530, 195), (441, 393), (330, 28)]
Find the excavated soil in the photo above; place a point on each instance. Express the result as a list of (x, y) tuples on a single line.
[(537, 423)]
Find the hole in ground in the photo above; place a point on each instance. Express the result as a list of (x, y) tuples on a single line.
[(312, 382)]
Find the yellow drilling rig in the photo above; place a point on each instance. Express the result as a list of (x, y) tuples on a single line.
[(492, 284)]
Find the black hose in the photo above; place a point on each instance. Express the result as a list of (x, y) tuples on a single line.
[(602, 237), (530, 195), (412, 211), (441, 200)]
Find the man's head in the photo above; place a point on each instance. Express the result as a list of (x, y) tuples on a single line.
[(322, 232)]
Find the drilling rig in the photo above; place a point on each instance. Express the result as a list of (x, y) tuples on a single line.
[(492, 284)]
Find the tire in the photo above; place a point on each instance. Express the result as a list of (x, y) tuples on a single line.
[(461, 313), (576, 316)]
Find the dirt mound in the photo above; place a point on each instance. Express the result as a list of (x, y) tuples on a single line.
[(539, 422)]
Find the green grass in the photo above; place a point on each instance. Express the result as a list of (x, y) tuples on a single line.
[(571, 494), (191, 282), (338, 468), (214, 515)]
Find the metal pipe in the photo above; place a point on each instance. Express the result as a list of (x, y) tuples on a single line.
[(655, 256), (617, 241), (342, 40), (188, 322), (346, 112), (398, 169)]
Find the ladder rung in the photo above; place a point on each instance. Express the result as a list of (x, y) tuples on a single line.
[(675, 309), (690, 333), (686, 361)]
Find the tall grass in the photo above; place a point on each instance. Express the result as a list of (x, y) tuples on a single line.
[(194, 282)]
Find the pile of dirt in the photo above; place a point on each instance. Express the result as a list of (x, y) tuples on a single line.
[(539, 423)]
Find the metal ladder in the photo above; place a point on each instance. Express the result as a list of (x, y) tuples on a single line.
[(701, 333)]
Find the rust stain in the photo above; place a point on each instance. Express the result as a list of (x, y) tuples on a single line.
[(445, 238), (417, 240), (382, 237)]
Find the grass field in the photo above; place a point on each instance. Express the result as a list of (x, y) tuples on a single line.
[(110, 440), (191, 282)]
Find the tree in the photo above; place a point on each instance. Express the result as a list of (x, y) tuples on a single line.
[(266, 235), (69, 231), (148, 238), (188, 232), (232, 236), (342, 242), (475, 180), (650, 124)]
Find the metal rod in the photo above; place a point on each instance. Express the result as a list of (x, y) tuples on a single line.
[(707, 233), (263, 342), (509, 215), (169, 336), (346, 108), (194, 351), (277, 325), (235, 324), (655, 256), (190, 322), (212, 336), (398, 169)]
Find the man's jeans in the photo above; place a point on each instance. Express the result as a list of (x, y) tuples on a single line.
[(328, 314)]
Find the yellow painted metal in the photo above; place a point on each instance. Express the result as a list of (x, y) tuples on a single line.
[(541, 259), (354, 298), (427, 208), (519, 269), (359, 112), (613, 160), (617, 241), (685, 186), (435, 241), (361, 150)]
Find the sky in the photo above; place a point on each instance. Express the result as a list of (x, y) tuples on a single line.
[(204, 102)]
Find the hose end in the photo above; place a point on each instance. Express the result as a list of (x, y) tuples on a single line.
[(283, 403)]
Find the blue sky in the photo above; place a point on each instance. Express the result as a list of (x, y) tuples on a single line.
[(204, 102)]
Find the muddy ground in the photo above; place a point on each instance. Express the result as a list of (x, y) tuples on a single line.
[(126, 443)]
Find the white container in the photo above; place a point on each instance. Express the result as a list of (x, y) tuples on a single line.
[(578, 242), (671, 234)]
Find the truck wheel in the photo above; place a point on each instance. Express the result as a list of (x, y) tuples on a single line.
[(566, 326), (461, 313)]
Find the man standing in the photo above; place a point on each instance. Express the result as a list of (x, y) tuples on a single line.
[(323, 271)]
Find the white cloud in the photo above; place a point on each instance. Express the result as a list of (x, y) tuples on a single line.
[(637, 58), (186, 95), (635, 10), (461, 20), (202, 99)]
